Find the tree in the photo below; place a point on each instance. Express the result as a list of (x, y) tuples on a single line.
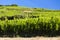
[(14, 5), (1, 5)]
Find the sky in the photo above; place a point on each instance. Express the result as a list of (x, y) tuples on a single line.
[(49, 4)]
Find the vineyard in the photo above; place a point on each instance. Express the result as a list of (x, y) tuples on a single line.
[(20, 21)]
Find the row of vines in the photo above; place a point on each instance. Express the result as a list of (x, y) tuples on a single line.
[(43, 26)]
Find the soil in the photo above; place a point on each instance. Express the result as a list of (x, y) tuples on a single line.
[(32, 38)]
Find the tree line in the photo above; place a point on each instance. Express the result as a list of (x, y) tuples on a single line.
[(9, 5)]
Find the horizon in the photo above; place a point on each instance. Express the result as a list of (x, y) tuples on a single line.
[(47, 4)]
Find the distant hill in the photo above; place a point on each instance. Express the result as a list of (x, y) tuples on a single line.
[(10, 10)]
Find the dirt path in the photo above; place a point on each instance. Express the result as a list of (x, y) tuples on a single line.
[(33, 38)]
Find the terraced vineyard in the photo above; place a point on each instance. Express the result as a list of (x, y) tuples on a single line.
[(23, 21)]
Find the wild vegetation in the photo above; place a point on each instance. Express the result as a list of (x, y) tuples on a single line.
[(23, 21)]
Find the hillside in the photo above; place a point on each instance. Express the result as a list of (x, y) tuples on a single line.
[(28, 22), (19, 10)]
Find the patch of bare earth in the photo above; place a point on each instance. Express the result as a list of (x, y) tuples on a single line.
[(32, 38)]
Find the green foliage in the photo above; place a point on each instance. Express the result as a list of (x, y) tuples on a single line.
[(41, 21), (30, 25)]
